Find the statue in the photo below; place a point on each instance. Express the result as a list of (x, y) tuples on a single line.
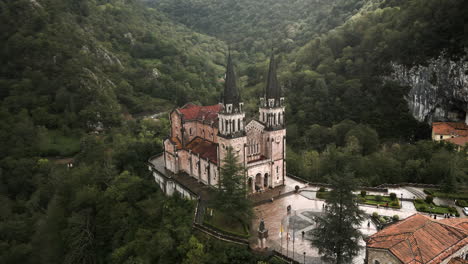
[(262, 225), (262, 234)]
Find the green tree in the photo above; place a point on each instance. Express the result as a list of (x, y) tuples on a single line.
[(337, 234), (231, 197)]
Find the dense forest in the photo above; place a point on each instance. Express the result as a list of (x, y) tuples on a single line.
[(76, 72)]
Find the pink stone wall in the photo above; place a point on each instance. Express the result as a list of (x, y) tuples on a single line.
[(175, 125), (198, 129)]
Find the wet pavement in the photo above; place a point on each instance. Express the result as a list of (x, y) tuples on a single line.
[(301, 219), (277, 192), (304, 207)]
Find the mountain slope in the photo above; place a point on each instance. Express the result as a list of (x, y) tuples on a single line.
[(92, 60), (344, 74)]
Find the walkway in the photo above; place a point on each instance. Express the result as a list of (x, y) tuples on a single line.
[(304, 207)]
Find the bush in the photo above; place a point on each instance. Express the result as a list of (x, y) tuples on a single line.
[(378, 198), (396, 218), (363, 193), (462, 203), (382, 220), (427, 191), (429, 199), (375, 214), (322, 189), (393, 196), (395, 203)]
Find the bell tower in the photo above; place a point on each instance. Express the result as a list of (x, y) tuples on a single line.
[(272, 115), (231, 118), (272, 103)]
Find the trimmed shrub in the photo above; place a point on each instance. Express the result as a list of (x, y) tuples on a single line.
[(375, 214), (462, 203), (296, 188), (378, 198), (427, 191), (395, 203), (429, 199), (322, 189), (363, 193), (396, 218), (393, 196)]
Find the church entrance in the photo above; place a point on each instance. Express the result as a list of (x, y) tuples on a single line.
[(265, 184), (258, 182)]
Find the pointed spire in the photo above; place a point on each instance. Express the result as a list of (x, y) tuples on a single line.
[(231, 93), (272, 90)]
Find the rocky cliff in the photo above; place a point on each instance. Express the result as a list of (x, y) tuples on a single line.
[(439, 91)]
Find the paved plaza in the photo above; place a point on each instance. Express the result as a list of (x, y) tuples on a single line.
[(305, 206)]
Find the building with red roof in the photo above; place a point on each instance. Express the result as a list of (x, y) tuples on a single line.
[(420, 239)]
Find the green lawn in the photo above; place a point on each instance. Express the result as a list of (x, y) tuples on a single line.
[(226, 224), (372, 200), (422, 206), (456, 195), (369, 199), (323, 195), (55, 143)]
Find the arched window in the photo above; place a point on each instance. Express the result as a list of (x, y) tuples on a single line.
[(226, 125), (238, 124), (263, 119)]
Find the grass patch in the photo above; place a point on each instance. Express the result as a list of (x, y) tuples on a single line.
[(441, 194), (384, 201), (226, 224), (323, 195), (55, 143), (422, 206)]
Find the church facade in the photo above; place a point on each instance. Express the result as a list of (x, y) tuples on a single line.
[(201, 135)]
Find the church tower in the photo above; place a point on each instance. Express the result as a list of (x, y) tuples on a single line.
[(272, 103), (231, 118), (272, 115)]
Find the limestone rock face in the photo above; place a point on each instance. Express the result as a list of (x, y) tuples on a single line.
[(439, 91)]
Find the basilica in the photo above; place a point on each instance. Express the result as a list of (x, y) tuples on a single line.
[(201, 135)]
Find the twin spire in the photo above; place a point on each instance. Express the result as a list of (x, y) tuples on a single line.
[(231, 92), (272, 90)]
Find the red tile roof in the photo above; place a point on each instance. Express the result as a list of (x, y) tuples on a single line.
[(420, 239), (450, 128), (205, 148), (460, 141), (202, 113)]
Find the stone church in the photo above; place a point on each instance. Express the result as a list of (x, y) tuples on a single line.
[(201, 135)]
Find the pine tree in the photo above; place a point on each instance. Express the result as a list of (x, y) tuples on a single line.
[(231, 197), (337, 233)]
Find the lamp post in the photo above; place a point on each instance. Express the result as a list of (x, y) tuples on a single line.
[(304, 257)]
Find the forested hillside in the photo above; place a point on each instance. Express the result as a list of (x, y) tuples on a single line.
[(74, 72), (253, 28), (70, 69)]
